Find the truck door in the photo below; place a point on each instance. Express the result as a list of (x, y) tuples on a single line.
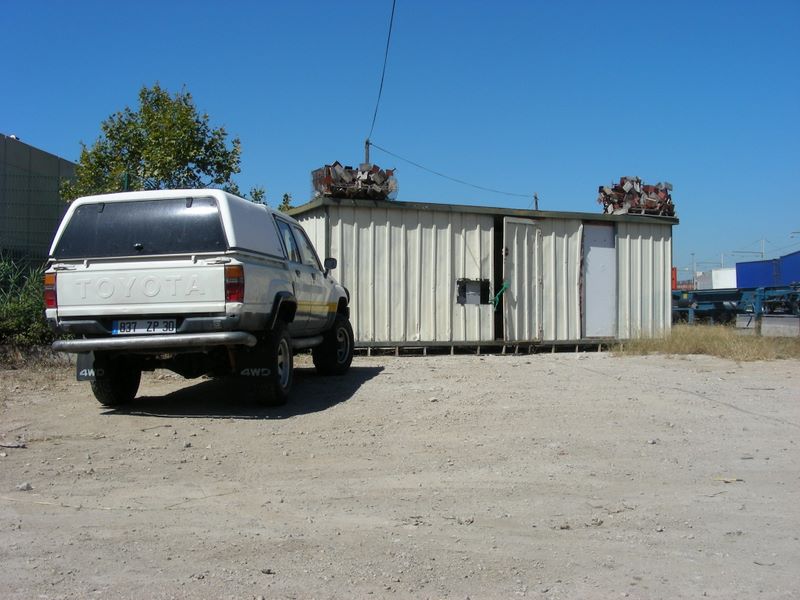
[(298, 276), (317, 288)]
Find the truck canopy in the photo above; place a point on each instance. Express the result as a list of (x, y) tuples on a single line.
[(146, 228), (163, 222)]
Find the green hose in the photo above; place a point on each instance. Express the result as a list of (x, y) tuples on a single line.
[(496, 300)]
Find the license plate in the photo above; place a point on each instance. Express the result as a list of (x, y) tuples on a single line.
[(143, 327)]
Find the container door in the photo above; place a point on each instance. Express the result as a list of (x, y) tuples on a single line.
[(599, 281), (522, 272)]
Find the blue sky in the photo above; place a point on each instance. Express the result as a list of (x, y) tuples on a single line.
[(551, 97)]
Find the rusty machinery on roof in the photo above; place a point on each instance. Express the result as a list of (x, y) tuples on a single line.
[(631, 196), (367, 181)]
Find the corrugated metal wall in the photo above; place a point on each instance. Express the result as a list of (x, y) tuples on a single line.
[(644, 262), (522, 272), (561, 269), (550, 310), (315, 224), (401, 267)]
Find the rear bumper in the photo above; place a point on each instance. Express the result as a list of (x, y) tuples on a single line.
[(176, 341), (191, 324)]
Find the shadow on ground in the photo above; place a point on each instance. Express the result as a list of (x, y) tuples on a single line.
[(222, 398)]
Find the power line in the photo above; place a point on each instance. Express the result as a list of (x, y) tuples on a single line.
[(774, 251), (461, 181), (782, 248), (383, 73), (368, 143)]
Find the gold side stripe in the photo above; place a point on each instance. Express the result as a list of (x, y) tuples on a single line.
[(307, 305)]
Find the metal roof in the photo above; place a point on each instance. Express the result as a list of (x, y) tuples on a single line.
[(323, 201)]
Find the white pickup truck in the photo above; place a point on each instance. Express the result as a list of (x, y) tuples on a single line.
[(195, 281)]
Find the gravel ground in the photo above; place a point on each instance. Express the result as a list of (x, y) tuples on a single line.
[(544, 476)]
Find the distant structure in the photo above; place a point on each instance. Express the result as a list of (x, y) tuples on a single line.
[(30, 204), (771, 272), (716, 279)]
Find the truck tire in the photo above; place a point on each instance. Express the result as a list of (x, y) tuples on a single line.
[(274, 389), (334, 355), (116, 381)]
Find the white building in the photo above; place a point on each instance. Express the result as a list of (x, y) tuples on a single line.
[(716, 279), (423, 274)]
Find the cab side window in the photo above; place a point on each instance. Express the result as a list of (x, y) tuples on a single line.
[(307, 252), (289, 243)]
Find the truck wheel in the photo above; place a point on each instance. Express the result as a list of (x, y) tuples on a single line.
[(334, 355), (274, 389), (116, 381)]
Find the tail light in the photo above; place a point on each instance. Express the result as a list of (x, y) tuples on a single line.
[(234, 283), (50, 297)]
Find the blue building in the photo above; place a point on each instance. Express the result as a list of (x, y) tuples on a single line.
[(773, 272)]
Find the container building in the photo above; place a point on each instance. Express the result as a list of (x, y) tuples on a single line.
[(426, 274)]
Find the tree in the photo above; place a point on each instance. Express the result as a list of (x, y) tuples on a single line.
[(286, 203), (258, 195), (164, 143)]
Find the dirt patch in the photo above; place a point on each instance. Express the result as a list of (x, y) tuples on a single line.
[(547, 476)]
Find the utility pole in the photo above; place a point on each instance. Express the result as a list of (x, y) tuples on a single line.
[(694, 273), (761, 253), (366, 151)]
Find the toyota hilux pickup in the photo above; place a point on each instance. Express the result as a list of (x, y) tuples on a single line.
[(200, 282)]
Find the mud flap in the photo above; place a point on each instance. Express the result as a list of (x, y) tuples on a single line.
[(85, 369), (253, 363)]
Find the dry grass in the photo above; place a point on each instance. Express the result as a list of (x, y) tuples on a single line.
[(39, 357), (715, 340)]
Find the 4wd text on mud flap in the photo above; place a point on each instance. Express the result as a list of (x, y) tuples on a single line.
[(90, 374), (254, 372)]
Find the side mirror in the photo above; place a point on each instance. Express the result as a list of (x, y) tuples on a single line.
[(330, 265)]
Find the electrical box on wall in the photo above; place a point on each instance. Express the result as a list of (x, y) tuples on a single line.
[(472, 291)]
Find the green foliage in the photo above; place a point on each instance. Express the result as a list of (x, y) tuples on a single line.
[(164, 143), (22, 321), (286, 203), (258, 195)]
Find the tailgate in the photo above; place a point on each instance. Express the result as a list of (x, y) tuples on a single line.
[(140, 288)]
